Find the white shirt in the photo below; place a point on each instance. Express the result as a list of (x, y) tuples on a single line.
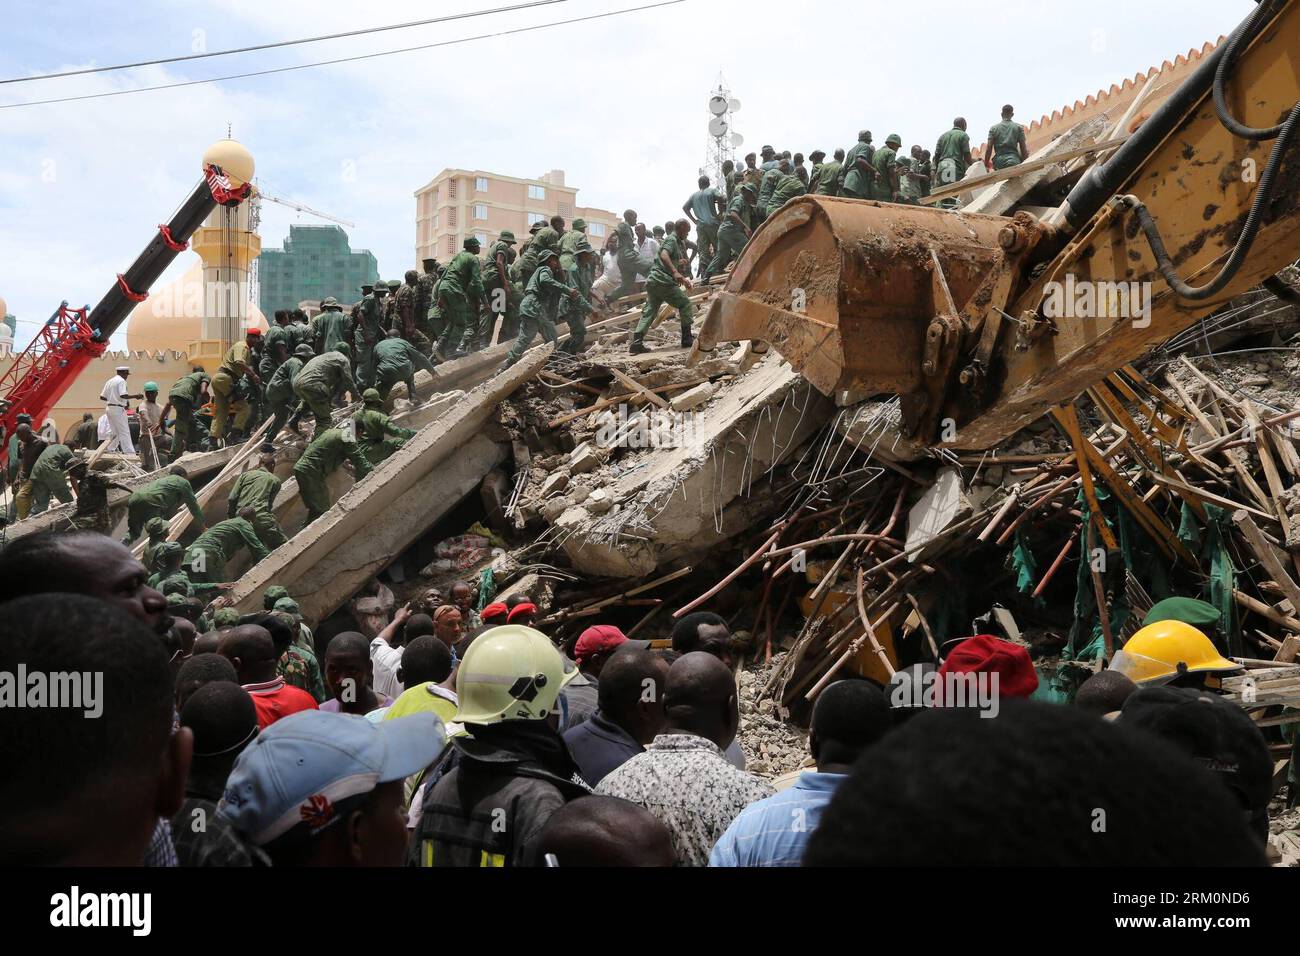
[(115, 391), (103, 429), (648, 249), (386, 660), (149, 413), (612, 272)]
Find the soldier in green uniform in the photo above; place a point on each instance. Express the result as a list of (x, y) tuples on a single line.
[(276, 335), (569, 242), (367, 334), (327, 452), (91, 513), (498, 291), (329, 328), (737, 226), (527, 265), (459, 295), (1006, 143), (668, 283), (280, 396), (767, 184), (378, 434), (909, 190), (85, 434), (922, 170), (405, 320), (424, 298), (951, 159), (828, 183), (396, 360), (885, 163), (155, 531), (580, 276), (171, 577), (857, 172), (547, 239), (818, 158), (541, 305), (629, 259), (354, 317), (160, 499), (237, 363), (256, 489), (787, 187), (317, 382), (729, 178), (704, 208), (205, 561), (49, 478), (299, 328)]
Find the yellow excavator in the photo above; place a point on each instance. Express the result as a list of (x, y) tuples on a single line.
[(981, 324)]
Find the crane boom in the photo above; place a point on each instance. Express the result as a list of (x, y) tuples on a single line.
[(72, 338), (301, 207)]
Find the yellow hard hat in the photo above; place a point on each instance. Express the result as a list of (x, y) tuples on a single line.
[(510, 673), (1162, 650)]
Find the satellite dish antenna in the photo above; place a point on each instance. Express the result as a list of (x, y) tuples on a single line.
[(717, 105), (717, 126), (733, 105), (737, 139)]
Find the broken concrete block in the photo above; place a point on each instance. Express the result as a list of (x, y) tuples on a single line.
[(693, 396), (943, 505), (552, 508), (555, 483), (579, 492), (600, 501), (584, 458)]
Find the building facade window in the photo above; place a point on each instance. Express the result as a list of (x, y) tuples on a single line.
[(451, 245), (482, 239), (451, 189), (480, 211), (536, 192), (451, 218), (480, 184), (564, 209), (536, 217), (597, 229)]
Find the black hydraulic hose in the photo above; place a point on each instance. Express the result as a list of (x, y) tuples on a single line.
[(1244, 33), (1248, 231)]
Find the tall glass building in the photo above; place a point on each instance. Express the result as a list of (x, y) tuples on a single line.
[(316, 262)]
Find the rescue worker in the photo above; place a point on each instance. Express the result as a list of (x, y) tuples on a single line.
[(114, 396), (459, 294), (737, 226), (280, 395), (237, 363), (15, 457), (704, 209), (330, 328), (92, 487), (828, 183), (321, 377), (1006, 143), (668, 284), (629, 260), (498, 290), (155, 530), (951, 158), (278, 333), (580, 276), (405, 320), (85, 435), (424, 298), (160, 499), (299, 328), (857, 172), (787, 187), (885, 162), (569, 242), (326, 453), (396, 360), (354, 314), (171, 577), (256, 489), (185, 396), (767, 185), (540, 305), (48, 478), (512, 769), (367, 335), (527, 265), (205, 561), (378, 434)]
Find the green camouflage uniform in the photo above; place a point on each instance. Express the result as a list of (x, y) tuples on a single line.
[(828, 180), (661, 289), (378, 434), (507, 299), (279, 393), (575, 311), (256, 489), (319, 379), (396, 361), (629, 260), (329, 328), (406, 322), (160, 499), (205, 561), (49, 478), (1006, 138), (183, 398), (323, 456), (883, 162), (786, 188), (854, 183), (460, 293), (731, 238), (538, 311), (367, 335)]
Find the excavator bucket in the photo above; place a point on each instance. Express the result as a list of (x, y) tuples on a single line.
[(847, 290)]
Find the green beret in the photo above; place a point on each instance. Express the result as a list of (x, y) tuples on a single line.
[(1198, 614), (288, 605), (226, 617), (273, 594)]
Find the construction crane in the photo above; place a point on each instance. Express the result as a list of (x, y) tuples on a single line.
[(72, 338), (296, 206), (953, 312)]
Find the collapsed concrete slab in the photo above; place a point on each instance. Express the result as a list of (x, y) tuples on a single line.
[(943, 505), (670, 503), (373, 522)]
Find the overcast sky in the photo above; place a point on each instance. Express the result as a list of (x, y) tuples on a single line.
[(618, 103)]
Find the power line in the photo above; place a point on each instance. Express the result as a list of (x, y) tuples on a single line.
[(345, 59), (281, 43)]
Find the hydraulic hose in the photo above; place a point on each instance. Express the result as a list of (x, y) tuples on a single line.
[(1246, 31)]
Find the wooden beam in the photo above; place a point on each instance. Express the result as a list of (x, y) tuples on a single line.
[(1011, 172)]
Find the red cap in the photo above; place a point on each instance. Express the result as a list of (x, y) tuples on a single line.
[(986, 653), (520, 610), (494, 610), (254, 331), (597, 639)]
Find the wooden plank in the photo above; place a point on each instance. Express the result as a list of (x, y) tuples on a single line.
[(1268, 556), (1011, 172), (1210, 497), (630, 382), (1069, 420), (1266, 612)]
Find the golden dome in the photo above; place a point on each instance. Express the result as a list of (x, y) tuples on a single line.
[(172, 316), (4, 307), (233, 158)]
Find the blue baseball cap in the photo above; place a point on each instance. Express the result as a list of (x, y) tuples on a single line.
[(301, 768)]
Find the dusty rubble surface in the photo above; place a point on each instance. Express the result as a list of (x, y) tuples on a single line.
[(772, 746)]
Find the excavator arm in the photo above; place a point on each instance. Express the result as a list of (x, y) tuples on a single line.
[(981, 324)]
